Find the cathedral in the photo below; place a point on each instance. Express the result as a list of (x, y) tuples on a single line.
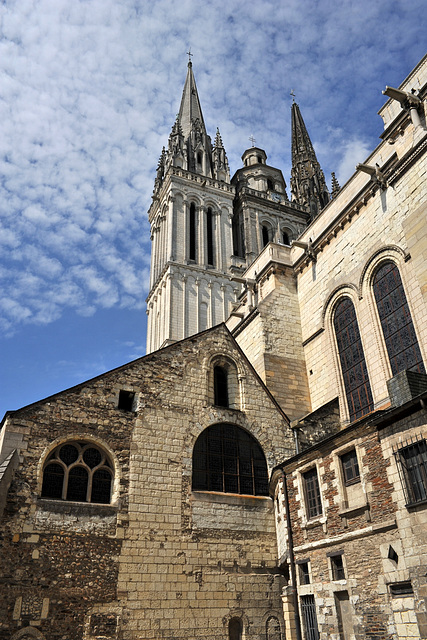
[(262, 472)]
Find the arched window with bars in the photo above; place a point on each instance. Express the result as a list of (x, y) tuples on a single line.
[(352, 359), (228, 459), (396, 320)]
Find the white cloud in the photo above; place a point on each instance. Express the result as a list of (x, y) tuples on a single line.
[(89, 91)]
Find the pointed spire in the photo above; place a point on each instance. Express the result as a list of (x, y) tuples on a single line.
[(308, 184), (219, 160), (335, 185), (190, 109), (160, 171)]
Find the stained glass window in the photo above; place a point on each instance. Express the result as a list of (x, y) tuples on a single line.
[(352, 359), (396, 321)]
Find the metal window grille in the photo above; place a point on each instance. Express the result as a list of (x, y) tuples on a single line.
[(227, 459), (308, 610), (352, 359), (412, 465), (396, 321), (312, 493), (350, 467)]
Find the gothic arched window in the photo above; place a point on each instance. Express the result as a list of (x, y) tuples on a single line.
[(228, 459), (272, 629), (79, 472), (192, 232), (235, 629), (396, 321), (220, 386), (352, 359), (285, 238), (265, 235)]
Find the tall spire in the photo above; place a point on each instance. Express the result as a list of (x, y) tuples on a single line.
[(308, 184), (190, 109)]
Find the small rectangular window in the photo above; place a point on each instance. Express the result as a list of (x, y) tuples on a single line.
[(337, 567), (413, 466), (304, 573), (312, 493), (350, 467), (401, 589), (126, 399)]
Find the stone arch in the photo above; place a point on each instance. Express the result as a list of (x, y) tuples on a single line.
[(342, 289), (267, 232), (389, 252), (273, 624), (82, 438), (233, 375), (227, 458), (28, 633)]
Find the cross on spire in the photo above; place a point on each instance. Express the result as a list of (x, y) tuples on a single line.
[(293, 95), (252, 139), (189, 54)]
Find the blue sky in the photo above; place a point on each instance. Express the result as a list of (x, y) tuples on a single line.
[(89, 91)]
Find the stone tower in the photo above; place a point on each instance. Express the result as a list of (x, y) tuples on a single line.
[(191, 230), (262, 210), (308, 184)]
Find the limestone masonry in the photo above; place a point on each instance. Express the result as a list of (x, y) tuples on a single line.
[(262, 472)]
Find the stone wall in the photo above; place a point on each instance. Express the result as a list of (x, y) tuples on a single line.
[(160, 561)]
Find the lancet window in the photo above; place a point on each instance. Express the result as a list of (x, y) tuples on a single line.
[(352, 359), (396, 321)]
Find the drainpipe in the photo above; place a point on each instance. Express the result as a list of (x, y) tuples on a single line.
[(291, 558)]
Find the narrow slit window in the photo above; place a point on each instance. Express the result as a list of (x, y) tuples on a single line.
[(209, 234), (192, 232), (221, 386), (265, 238)]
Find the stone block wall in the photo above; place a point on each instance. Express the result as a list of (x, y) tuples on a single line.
[(160, 561)]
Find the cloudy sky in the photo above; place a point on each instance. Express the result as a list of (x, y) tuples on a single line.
[(89, 90)]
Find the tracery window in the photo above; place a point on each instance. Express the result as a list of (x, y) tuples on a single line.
[(79, 472), (228, 459), (352, 359), (396, 321)]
